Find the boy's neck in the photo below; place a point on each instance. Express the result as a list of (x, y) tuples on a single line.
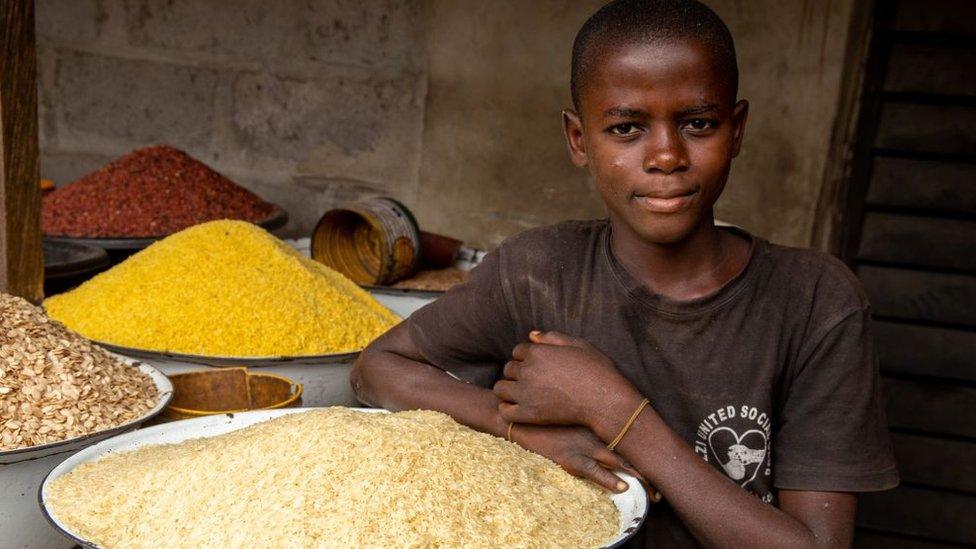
[(694, 267)]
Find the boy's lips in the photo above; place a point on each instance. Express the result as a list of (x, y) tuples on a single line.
[(665, 202)]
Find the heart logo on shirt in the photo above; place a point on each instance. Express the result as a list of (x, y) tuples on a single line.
[(738, 454)]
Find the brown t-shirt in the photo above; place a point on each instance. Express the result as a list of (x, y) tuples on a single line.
[(773, 379)]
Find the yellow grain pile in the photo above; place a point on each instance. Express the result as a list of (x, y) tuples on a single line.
[(334, 478), (224, 288)]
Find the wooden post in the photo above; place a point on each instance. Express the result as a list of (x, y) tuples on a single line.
[(21, 253)]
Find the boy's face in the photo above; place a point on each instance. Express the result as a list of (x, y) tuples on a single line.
[(658, 129)]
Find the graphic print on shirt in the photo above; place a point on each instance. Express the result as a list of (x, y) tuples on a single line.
[(737, 439)]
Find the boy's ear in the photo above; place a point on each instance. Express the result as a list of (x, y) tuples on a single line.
[(573, 128), (739, 115)]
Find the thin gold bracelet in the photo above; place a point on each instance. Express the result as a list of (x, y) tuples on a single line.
[(630, 422), (510, 425)]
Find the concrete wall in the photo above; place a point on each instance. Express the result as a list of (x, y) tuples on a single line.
[(791, 60), (451, 105), (307, 103), (494, 158)]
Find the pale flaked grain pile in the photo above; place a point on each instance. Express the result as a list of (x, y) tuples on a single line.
[(335, 478), (56, 385)]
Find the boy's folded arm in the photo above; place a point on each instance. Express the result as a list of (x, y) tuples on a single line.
[(557, 379), (392, 373), (718, 512)]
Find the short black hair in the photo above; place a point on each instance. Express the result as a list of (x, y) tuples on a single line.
[(628, 22)]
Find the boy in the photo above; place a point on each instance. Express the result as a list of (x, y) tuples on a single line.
[(736, 376)]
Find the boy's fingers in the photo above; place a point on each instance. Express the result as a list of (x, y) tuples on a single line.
[(521, 351), (591, 469), (506, 390), (510, 412), (516, 413), (511, 370), (558, 339), (553, 338), (614, 460), (609, 458)]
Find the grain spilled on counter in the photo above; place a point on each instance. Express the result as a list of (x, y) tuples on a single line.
[(56, 385), (334, 478)]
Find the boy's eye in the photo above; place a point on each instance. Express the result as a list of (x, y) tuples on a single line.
[(624, 129), (701, 124)]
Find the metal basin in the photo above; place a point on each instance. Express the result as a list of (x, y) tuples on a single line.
[(21, 472)]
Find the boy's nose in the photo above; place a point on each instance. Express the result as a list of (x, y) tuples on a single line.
[(665, 152)]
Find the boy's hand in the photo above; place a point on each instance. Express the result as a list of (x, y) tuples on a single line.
[(577, 450), (561, 380)]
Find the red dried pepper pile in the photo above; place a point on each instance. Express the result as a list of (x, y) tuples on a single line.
[(150, 192)]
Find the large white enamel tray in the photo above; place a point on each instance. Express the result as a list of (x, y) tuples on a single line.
[(632, 504)]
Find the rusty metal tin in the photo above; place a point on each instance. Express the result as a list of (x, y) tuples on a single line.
[(373, 242)]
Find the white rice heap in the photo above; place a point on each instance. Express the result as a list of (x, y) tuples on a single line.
[(334, 478)]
